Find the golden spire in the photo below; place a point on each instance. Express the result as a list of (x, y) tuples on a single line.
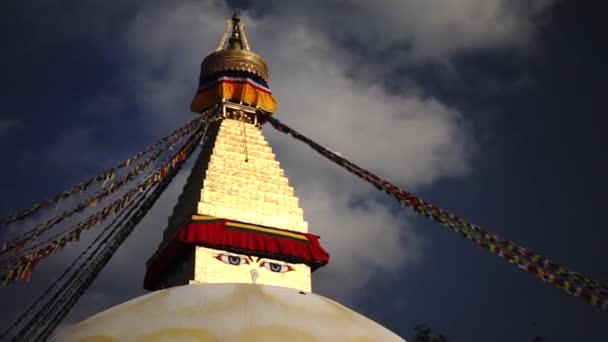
[(237, 40), (233, 61), (233, 53)]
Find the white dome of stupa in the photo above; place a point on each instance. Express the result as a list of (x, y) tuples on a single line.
[(228, 312)]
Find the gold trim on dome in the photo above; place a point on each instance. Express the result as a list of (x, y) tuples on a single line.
[(235, 59)]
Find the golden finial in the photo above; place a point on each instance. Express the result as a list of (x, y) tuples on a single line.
[(236, 29), (234, 53)]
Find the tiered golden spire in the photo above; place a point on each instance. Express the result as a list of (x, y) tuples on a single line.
[(234, 74), (234, 53)]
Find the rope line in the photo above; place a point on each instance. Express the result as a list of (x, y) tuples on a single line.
[(18, 242), (25, 264), (100, 178), (75, 236), (116, 205), (122, 236), (576, 284), (22, 268), (53, 302), (38, 300), (76, 279), (244, 136), (72, 289)]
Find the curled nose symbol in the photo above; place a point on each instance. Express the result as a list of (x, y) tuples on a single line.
[(254, 276)]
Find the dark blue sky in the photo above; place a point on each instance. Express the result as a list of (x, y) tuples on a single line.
[(538, 177)]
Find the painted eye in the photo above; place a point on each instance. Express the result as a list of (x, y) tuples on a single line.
[(232, 259), (277, 267)]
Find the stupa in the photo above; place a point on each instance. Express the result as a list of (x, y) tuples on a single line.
[(236, 258)]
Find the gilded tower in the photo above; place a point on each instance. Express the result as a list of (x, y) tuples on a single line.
[(238, 219)]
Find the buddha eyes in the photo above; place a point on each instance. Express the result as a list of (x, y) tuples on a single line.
[(232, 259), (276, 267), (236, 260)]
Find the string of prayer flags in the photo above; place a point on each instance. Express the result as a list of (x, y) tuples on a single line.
[(73, 234), (21, 266), (559, 276), (92, 201), (105, 176)]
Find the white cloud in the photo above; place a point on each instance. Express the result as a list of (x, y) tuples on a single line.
[(406, 138), (432, 29), (410, 138)]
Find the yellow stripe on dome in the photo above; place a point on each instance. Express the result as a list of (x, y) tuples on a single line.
[(204, 217), (268, 230)]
